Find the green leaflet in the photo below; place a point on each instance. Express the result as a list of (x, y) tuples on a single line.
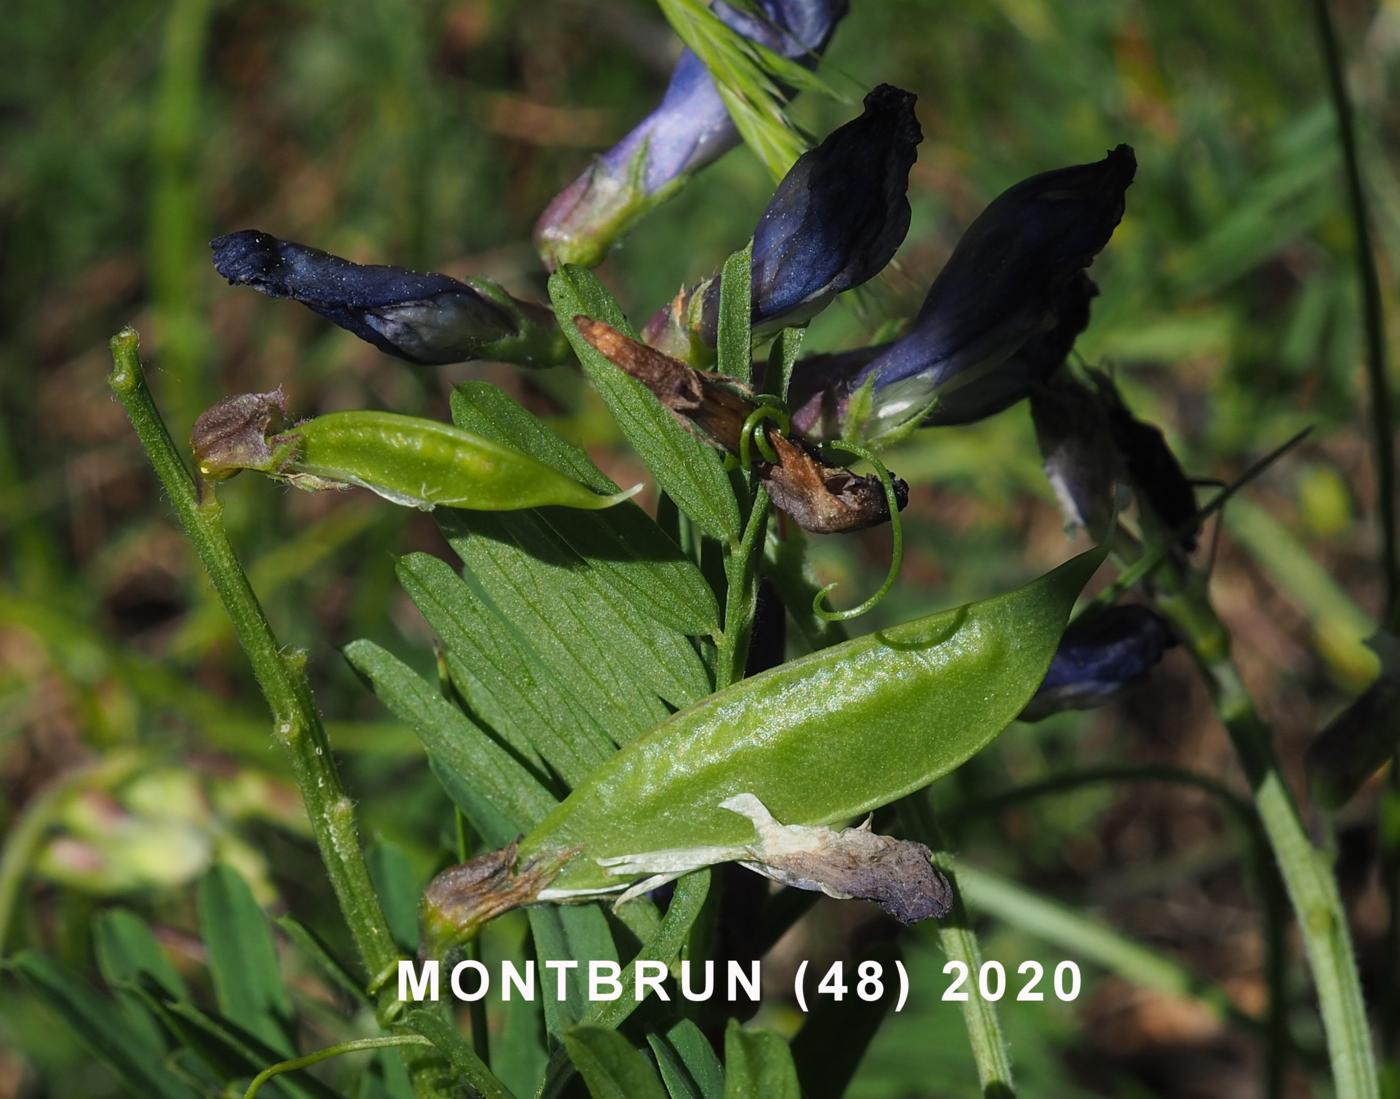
[(497, 669), (127, 955), (689, 1067), (228, 1049), (127, 952), (735, 334), (106, 1032), (567, 613), (757, 1065), (242, 960), (822, 739), (486, 768), (688, 470), (518, 1054), (664, 946), (568, 934), (610, 1065), (622, 546)]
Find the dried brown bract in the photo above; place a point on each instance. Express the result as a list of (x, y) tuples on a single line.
[(821, 498)]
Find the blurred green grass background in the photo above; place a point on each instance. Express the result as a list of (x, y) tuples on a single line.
[(431, 134)]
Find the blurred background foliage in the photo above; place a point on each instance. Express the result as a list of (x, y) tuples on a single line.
[(431, 133)]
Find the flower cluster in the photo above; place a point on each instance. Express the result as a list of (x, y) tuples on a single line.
[(996, 327)]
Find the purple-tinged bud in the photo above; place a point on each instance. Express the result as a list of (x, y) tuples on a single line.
[(232, 435), (424, 318), (1099, 658), (690, 129), (461, 900), (1012, 297)]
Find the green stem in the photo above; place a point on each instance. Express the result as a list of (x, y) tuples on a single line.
[(741, 572), (1378, 380), (1306, 870), (281, 676), (1383, 440), (331, 1051), (959, 942)]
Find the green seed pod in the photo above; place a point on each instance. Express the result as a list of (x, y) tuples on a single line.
[(819, 740), (409, 461)]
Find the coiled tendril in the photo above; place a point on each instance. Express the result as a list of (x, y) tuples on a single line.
[(752, 433), (896, 550)]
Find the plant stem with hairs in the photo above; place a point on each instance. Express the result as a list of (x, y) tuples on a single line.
[(281, 676)]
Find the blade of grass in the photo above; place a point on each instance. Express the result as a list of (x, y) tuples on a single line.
[(1383, 441), (959, 942)]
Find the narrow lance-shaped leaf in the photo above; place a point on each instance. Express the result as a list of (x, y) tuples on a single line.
[(103, 1030), (623, 545), (242, 958), (611, 1067), (688, 1064), (686, 469), (758, 1064), (495, 777)]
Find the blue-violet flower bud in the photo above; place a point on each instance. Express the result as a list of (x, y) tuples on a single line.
[(690, 129), (834, 221), (840, 213), (1099, 658), (424, 318)]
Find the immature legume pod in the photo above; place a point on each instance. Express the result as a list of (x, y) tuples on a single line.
[(821, 739), (426, 464)]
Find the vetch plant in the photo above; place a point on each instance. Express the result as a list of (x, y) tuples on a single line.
[(615, 718)]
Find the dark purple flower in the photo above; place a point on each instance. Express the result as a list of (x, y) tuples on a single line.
[(690, 129), (1001, 315), (839, 215), (1161, 485), (834, 221), (424, 318), (1099, 658)]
